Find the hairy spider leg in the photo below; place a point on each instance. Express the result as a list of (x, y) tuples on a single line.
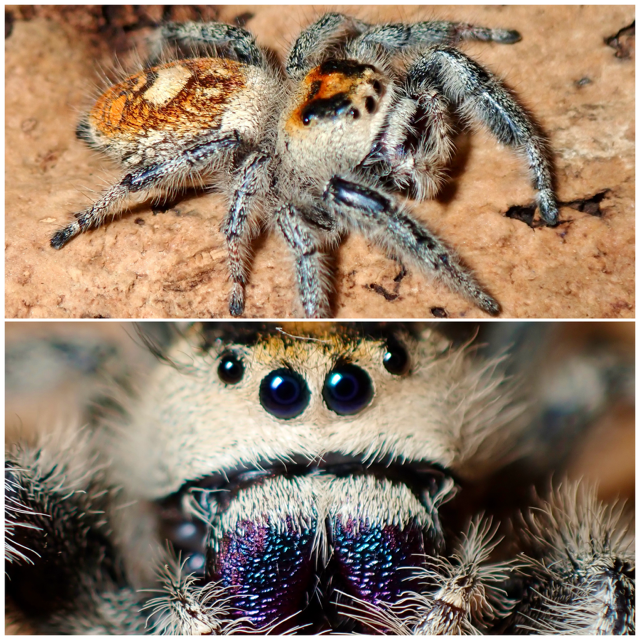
[(252, 181), (482, 97), (199, 158), (389, 226)]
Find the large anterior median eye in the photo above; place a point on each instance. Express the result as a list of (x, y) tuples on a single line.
[(284, 394), (347, 389)]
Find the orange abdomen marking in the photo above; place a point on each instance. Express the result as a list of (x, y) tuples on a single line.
[(183, 97)]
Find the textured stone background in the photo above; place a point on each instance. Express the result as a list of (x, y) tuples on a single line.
[(173, 264)]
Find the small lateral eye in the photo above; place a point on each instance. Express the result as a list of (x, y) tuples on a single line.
[(396, 359), (231, 368), (347, 390), (369, 104)]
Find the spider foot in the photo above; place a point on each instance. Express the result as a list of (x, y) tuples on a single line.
[(61, 237), (236, 299), (548, 207)]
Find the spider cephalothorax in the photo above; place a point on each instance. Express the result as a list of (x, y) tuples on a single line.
[(360, 117)]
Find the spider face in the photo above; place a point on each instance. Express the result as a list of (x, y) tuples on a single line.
[(315, 478), (298, 451), (359, 119)]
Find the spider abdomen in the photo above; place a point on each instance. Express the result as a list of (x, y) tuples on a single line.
[(177, 103)]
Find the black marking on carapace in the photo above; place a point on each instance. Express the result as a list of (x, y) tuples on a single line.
[(349, 68), (316, 85), (152, 76), (323, 108), (370, 104)]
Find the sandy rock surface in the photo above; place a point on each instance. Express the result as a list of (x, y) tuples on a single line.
[(173, 264)]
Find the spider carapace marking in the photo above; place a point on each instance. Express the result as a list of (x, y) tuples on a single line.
[(358, 120), (338, 88)]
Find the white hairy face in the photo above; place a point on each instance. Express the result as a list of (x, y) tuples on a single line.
[(440, 408), (315, 451)]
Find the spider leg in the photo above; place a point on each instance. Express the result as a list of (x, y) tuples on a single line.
[(397, 37), (64, 571), (468, 597), (386, 224), (194, 39), (481, 96), (579, 567), (236, 228), (301, 232), (202, 157), (416, 144), (331, 27), (313, 42)]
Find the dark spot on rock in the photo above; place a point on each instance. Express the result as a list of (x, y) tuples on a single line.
[(583, 82), (522, 213), (403, 272), (28, 125), (439, 312), (624, 42), (589, 205), (166, 205), (139, 221), (8, 23), (380, 290)]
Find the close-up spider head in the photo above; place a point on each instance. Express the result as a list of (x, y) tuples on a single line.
[(309, 478)]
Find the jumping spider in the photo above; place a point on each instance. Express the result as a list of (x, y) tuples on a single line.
[(315, 477), (360, 117)]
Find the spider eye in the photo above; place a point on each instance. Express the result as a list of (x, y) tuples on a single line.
[(231, 368), (370, 104), (396, 359), (347, 390), (284, 394)]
